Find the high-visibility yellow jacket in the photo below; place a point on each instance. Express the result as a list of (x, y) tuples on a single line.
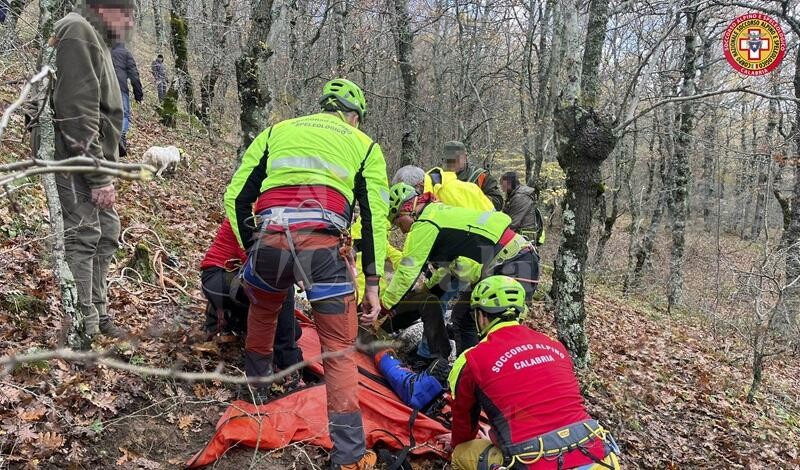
[(442, 234), (393, 255), (448, 189), (318, 149)]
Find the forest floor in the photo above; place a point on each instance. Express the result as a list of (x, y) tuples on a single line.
[(671, 388)]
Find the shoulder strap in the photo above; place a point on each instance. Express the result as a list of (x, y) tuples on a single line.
[(476, 175)]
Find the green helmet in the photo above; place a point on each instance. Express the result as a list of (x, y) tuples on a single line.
[(399, 194), (342, 93), (499, 297)]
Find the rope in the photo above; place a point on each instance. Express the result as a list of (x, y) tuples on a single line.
[(168, 286)]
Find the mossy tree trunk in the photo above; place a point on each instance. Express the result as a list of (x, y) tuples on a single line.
[(179, 29), (584, 139), (254, 93), (679, 203), (404, 44), (168, 109)]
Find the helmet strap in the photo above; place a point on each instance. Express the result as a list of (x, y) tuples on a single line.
[(343, 118), (482, 332)]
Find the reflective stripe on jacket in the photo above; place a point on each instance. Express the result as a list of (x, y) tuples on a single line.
[(441, 234), (319, 149)]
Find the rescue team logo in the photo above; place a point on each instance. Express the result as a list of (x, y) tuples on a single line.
[(754, 44)]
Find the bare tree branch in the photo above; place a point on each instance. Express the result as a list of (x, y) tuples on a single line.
[(8, 363), (80, 164), (46, 70), (676, 99)]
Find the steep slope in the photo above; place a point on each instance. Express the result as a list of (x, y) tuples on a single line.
[(671, 391)]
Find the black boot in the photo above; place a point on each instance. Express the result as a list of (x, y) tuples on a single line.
[(256, 366), (123, 146)]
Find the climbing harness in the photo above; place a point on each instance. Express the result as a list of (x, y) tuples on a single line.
[(555, 444), (309, 214)]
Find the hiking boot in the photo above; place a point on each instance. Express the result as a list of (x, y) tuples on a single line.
[(109, 328), (367, 462), (123, 146), (439, 369), (257, 365)]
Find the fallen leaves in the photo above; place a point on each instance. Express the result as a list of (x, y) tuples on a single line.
[(33, 414), (51, 441), (185, 422)]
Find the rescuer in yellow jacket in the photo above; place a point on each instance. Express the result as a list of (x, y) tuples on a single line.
[(304, 176), (445, 186), (446, 236), (416, 305)]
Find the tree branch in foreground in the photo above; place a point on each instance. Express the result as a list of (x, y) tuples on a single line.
[(8, 363), (81, 164), (675, 99), (46, 70)]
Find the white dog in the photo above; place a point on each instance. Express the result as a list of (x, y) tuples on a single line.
[(165, 158)]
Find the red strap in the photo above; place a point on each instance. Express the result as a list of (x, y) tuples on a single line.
[(507, 236)]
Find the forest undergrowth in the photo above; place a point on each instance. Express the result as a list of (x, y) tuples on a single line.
[(671, 387)]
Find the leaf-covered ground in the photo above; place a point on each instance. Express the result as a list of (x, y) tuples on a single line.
[(671, 389)]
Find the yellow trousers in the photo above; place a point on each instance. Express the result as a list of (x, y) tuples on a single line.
[(466, 455)]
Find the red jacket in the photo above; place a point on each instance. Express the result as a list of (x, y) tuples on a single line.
[(525, 383), (225, 251)]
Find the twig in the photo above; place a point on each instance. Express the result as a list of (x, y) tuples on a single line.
[(677, 99), (71, 169), (8, 363), (46, 70)]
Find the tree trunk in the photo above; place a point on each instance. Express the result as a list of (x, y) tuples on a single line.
[(710, 162), (623, 169), (533, 160), (254, 93), (792, 238), (208, 84), (765, 176), (548, 89), (158, 24), (404, 43), (180, 37), (584, 139), (73, 328), (340, 31), (641, 255), (682, 173), (741, 190)]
